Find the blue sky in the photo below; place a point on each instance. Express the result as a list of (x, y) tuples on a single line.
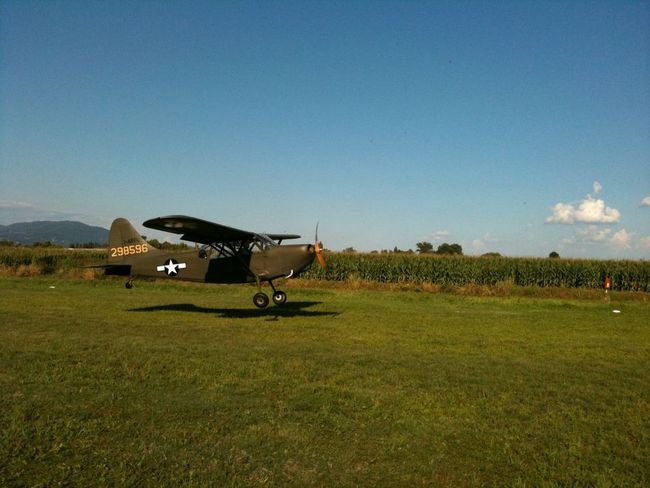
[(515, 127)]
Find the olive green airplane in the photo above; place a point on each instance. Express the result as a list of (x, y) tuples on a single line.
[(225, 255)]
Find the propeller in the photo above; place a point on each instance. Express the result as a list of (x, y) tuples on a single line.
[(318, 248)]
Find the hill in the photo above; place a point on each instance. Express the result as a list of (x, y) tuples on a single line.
[(64, 233)]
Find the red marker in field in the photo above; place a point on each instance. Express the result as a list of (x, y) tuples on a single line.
[(607, 283)]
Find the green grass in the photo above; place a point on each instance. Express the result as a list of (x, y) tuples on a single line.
[(171, 384)]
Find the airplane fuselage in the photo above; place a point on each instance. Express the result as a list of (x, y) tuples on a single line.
[(277, 262)]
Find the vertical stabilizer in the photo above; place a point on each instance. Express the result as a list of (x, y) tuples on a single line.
[(124, 242)]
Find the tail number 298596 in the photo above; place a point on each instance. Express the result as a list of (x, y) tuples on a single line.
[(127, 250)]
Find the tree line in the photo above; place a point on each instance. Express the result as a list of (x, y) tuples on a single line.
[(425, 247), (421, 248)]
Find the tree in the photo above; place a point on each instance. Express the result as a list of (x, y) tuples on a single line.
[(87, 245), (554, 255), (168, 246), (45, 244), (453, 249), (424, 247)]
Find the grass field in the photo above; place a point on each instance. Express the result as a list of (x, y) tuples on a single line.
[(171, 384)]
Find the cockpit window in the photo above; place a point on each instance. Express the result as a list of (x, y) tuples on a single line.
[(263, 243)]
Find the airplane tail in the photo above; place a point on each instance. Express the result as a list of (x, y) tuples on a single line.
[(124, 242)]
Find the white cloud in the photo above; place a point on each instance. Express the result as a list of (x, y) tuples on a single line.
[(481, 245), (645, 202), (438, 236), (478, 245), (593, 233), (593, 210), (621, 239), (16, 211), (563, 213), (569, 240), (644, 243), (8, 204), (590, 210), (597, 187)]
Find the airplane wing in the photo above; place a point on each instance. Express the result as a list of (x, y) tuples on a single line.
[(204, 232)]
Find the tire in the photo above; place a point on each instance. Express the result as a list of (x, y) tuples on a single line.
[(260, 300), (279, 297)]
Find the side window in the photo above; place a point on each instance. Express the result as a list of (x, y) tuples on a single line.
[(214, 254)]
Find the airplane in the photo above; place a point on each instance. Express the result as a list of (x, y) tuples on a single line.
[(226, 255)]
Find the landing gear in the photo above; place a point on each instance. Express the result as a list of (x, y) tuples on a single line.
[(260, 300), (279, 297), (129, 284)]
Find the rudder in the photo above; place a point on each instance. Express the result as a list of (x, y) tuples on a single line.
[(125, 241)]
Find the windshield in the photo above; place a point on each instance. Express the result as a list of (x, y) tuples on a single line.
[(264, 242)]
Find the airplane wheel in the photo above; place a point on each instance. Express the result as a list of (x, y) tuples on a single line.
[(260, 300), (279, 297)]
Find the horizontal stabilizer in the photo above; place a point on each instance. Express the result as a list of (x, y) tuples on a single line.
[(112, 269)]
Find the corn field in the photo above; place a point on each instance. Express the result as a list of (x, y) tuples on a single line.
[(452, 271), (457, 271), (48, 260)]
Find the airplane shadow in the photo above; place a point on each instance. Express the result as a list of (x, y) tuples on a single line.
[(289, 309)]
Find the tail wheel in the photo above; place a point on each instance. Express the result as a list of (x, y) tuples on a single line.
[(279, 297), (260, 300)]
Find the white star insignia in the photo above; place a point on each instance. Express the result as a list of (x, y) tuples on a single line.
[(171, 267)]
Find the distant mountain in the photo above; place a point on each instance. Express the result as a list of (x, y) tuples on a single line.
[(64, 233)]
